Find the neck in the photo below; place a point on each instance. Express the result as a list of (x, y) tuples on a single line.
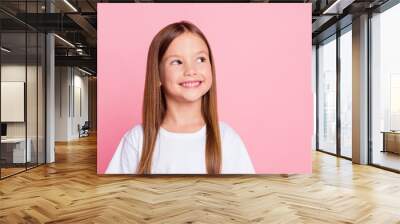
[(183, 116)]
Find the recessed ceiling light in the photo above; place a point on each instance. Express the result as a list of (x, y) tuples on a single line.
[(64, 40), (70, 5), (337, 7), (84, 71), (5, 50)]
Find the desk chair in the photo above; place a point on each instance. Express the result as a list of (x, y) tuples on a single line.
[(84, 130)]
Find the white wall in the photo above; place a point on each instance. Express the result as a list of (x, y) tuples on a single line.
[(13, 73), (62, 81), (70, 83), (16, 72)]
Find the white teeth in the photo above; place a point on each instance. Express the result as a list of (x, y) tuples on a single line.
[(191, 84)]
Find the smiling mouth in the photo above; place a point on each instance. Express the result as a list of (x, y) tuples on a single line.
[(190, 84)]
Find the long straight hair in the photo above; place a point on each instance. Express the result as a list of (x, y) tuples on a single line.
[(154, 103)]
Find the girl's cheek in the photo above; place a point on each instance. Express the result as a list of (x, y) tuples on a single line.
[(173, 71), (209, 75), (203, 69)]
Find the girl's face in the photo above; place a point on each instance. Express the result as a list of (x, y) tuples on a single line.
[(185, 69)]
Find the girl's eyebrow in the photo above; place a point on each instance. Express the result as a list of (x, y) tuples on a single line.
[(172, 55), (204, 52), (177, 56)]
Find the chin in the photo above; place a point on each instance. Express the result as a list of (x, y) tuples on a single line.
[(192, 99), (190, 96)]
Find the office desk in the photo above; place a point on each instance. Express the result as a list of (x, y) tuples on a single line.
[(15, 148), (391, 141)]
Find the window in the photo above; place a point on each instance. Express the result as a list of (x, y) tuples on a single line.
[(385, 88), (346, 92), (327, 95)]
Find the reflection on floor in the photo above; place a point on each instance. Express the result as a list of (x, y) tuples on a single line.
[(11, 169), (386, 159)]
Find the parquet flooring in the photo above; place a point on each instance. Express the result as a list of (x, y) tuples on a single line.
[(70, 191)]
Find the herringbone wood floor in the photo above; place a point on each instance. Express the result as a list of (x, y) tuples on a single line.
[(70, 191)]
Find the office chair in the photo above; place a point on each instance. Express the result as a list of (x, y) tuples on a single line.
[(84, 130)]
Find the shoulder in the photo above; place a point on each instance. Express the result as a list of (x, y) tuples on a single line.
[(127, 154), (229, 137), (235, 158), (132, 140), (136, 130), (227, 131), (134, 134)]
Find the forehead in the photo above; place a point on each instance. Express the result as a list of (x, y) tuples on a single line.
[(187, 43)]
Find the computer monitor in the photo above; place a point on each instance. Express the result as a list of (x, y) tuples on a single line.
[(3, 129)]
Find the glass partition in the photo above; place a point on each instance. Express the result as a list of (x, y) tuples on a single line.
[(31, 100), (13, 110), (22, 101), (41, 109)]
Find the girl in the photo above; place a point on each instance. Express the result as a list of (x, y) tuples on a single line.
[(180, 131)]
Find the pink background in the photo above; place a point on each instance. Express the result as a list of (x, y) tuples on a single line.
[(262, 55)]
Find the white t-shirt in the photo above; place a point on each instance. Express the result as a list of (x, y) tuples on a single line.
[(180, 153)]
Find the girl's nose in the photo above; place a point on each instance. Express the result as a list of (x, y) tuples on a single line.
[(190, 70)]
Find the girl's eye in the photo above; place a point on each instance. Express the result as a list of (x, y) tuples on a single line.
[(201, 59), (176, 62)]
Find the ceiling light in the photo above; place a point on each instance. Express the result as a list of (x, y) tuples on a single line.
[(86, 72), (64, 40), (5, 50), (70, 5), (338, 6)]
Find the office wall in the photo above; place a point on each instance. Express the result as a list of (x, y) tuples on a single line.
[(61, 103), (15, 72), (71, 102)]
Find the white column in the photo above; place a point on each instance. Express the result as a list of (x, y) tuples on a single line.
[(50, 92), (360, 89)]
